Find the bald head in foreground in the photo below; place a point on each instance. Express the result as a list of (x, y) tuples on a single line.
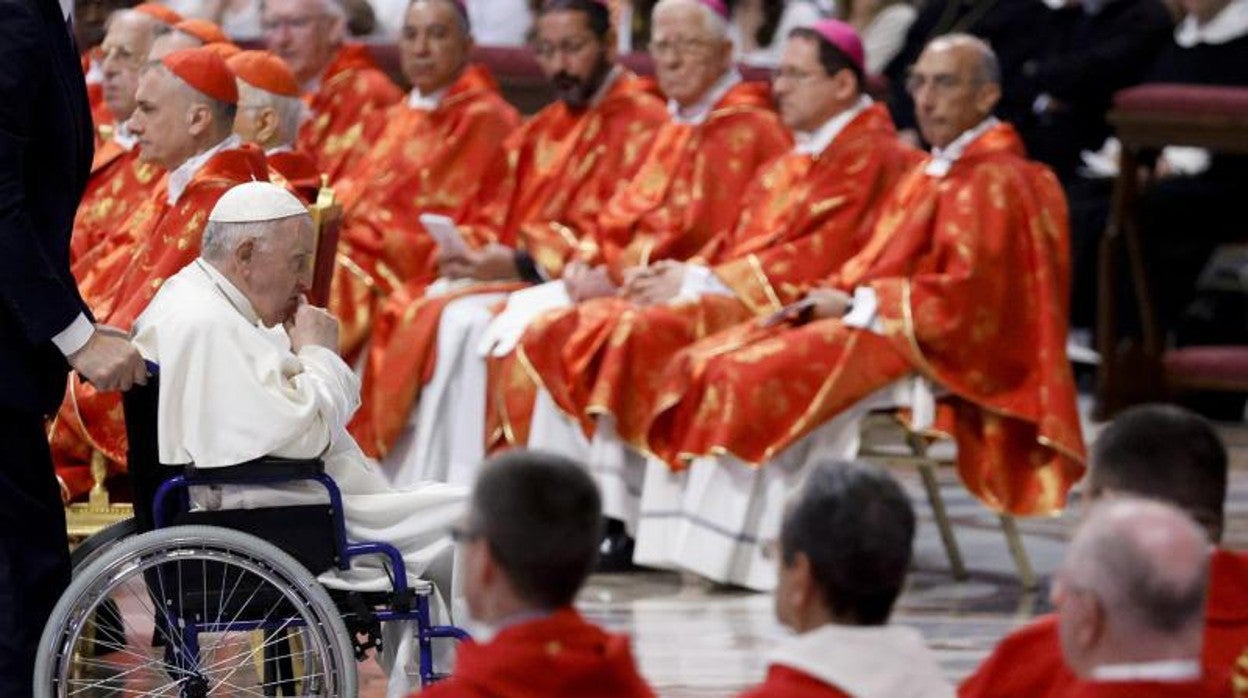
[(1130, 599)]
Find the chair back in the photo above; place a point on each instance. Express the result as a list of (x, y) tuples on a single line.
[(326, 215)]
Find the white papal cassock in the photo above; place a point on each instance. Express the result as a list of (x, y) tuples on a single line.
[(232, 391)]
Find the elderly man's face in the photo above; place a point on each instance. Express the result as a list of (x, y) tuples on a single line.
[(573, 58), (433, 47), (169, 42), (162, 119), (303, 34), (278, 269), (950, 96), (806, 95), (687, 60), (125, 50), (89, 19)]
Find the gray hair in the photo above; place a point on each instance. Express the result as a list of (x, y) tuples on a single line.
[(987, 67), (712, 22), (1146, 561), (291, 111), (222, 112), (459, 11), (221, 239)]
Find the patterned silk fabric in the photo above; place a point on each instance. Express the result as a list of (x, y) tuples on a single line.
[(804, 216), (971, 273), (689, 190), (564, 165), (163, 239), (118, 185), (352, 89)]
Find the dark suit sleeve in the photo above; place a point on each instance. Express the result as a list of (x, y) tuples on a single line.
[(31, 288)]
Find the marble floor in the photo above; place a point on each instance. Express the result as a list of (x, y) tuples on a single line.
[(693, 639)]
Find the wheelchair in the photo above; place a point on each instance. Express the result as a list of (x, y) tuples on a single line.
[(224, 602)]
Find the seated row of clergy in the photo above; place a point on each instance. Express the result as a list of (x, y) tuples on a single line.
[(956, 265), (151, 192)]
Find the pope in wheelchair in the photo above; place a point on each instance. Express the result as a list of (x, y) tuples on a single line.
[(249, 370)]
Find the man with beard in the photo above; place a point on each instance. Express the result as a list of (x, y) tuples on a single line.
[(184, 122), (340, 81), (430, 154), (566, 162)]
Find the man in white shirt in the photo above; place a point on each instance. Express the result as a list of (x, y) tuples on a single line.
[(248, 369)]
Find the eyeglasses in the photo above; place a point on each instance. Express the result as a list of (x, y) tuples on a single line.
[(292, 23), (569, 47), (679, 46), (794, 74), (940, 82)]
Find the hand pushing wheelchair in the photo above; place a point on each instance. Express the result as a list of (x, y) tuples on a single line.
[(222, 602)]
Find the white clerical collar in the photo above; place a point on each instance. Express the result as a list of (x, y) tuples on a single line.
[(230, 291), (181, 177), (1229, 24), (815, 142), (1168, 671), (428, 102), (862, 660), (698, 112), (279, 149), (123, 137), (943, 158)]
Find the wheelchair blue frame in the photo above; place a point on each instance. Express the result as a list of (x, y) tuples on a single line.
[(180, 484)]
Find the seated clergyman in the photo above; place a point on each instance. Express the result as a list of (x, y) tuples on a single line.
[(249, 369)]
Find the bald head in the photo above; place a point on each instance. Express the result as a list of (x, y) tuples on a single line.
[(1132, 587), (956, 83)]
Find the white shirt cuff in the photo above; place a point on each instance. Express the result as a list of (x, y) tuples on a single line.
[(74, 337), (863, 314), (698, 281)]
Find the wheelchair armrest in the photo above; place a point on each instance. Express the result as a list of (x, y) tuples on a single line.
[(267, 468)]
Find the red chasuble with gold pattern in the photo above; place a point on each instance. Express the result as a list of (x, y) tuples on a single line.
[(689, 190), (118, 185), (564, 166), (971, 273), (351, 90), (165, 239), (804, 216), (421, 162)]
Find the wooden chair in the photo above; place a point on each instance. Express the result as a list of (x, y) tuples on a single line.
[(1147, 118), (887, 440), (85, 519)]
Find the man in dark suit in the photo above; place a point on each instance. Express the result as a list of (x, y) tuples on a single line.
[(45, 155)]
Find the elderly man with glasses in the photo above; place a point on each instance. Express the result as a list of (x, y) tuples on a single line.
[(956, 308), (343, 84)]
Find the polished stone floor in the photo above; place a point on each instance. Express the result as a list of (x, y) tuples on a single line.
[(694, 639)]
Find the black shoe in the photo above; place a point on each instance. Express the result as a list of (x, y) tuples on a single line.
[(615, 554)]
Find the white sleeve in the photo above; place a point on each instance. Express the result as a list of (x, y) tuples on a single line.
[(335, 385), (698, 281), (864, 313), (75, 336)]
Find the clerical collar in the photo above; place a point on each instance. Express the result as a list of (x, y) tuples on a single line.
[(697, 113), (181, 177), (1228, 25), (814, 142), (279, 149), (943, 158), (428, 102), (232, 295), (1169, 671), (123, 137)]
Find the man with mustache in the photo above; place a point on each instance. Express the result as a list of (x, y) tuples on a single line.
[(567, 161), (430, 154), (184, 122)]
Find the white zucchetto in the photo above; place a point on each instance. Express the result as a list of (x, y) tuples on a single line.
[(253, 202)]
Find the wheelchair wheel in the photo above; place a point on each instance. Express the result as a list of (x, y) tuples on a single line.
[(194, 611), (94, 546)]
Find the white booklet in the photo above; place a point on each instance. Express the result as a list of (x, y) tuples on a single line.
[(444, 232)]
